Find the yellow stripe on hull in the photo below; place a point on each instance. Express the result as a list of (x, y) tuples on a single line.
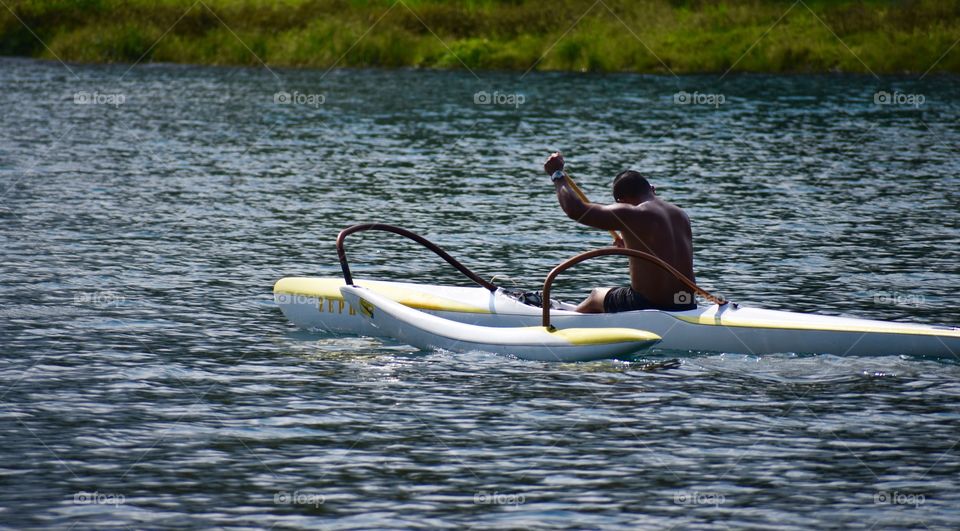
[(886, 328), (603, 336), (329, 288)]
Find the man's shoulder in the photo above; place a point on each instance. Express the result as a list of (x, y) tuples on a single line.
[(663, 210), (657, 207), (669, 207)]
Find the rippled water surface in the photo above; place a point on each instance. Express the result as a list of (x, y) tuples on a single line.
[(148, 380)]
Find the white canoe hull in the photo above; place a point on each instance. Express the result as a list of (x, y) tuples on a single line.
[(316, 303), (425, 331)]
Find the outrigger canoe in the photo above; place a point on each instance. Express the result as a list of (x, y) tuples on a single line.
[(427, 332), (317, 303)]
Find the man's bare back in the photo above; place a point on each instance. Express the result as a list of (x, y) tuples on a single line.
[(647, 223), (663, 230)]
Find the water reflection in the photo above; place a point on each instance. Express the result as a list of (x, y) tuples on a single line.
[(143, 356)]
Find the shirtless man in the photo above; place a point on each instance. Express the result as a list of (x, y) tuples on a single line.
[(647, 224)]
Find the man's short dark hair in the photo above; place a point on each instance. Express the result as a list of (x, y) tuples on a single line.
[(630, 183)]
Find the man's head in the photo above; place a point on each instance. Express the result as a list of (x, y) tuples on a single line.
[(631, 187)]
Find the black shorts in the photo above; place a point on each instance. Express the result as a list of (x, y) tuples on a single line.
[(626, 299)]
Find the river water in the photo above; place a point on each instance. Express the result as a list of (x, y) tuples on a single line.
[(149, 381)]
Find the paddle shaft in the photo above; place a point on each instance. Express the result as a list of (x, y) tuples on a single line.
[(583, 197)]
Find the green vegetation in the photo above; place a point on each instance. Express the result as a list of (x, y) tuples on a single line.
[(583, 35)]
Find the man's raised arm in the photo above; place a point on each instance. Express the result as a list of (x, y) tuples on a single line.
[(607, 217)]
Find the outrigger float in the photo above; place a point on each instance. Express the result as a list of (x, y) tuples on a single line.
[(491, 318)]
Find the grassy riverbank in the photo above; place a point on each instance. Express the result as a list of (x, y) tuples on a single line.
[(609, 35)]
